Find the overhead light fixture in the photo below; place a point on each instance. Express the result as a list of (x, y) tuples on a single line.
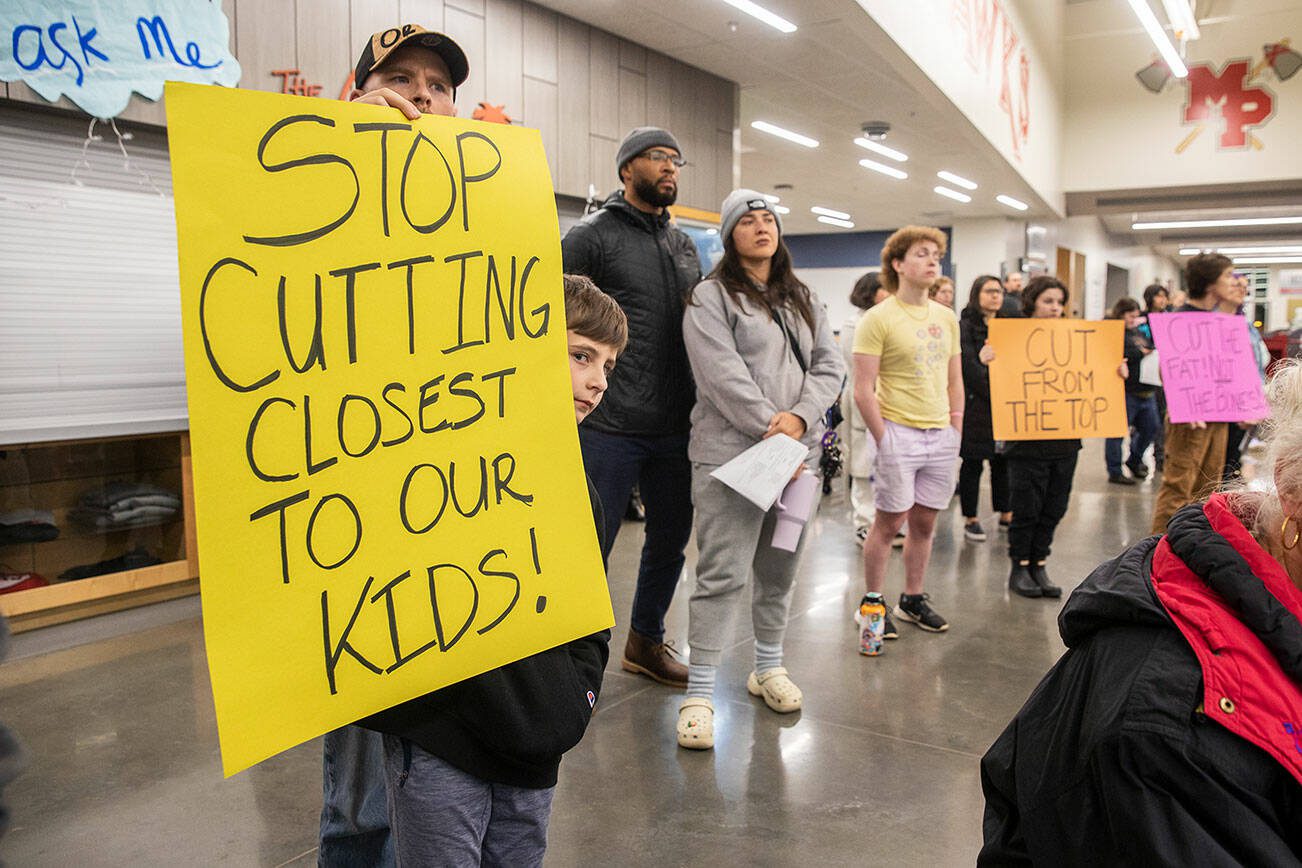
[(781, 133), (1268, 260), (1181, 15), (879, 148), (1210, 224), (883, 168), (1159, 37), (956, 179), (1011, 202), (828, 212), (1190, 251), (1275, 249), (782, 209), (953, 194), (836, 221), (777, 22), (771, 199)]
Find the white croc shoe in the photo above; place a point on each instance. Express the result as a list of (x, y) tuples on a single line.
[(696, 723), (779, 692)]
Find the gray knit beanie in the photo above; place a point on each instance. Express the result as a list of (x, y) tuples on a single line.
[(740, 202), (641, 139)]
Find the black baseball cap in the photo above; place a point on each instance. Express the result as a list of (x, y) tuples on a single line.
[(384, 43)]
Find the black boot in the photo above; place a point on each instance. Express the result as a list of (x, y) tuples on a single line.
[(1041, 579), (1020, 581)]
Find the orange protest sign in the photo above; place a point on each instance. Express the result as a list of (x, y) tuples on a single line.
[(1056, 379)]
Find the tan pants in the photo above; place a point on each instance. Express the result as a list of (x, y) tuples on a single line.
[(1195, 459)]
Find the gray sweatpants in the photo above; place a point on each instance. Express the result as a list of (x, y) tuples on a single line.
[(733, 537), (442, 816)]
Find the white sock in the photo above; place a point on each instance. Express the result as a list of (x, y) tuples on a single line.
[(700, 680), (767, 656)]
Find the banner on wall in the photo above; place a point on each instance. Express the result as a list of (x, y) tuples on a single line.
[(388, 487), (1209, 371), (1056, 379), (97, 53)]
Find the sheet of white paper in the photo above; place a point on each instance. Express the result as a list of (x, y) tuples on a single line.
[(1149, 373), (761, 472)]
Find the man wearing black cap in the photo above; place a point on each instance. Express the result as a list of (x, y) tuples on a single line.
[(638, 434), (417, 72)]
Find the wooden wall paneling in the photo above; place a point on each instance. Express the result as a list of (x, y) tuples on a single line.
[(603, 67), (540, 112), (474, 7), (725, 176), (467, 29), (681, 98), (657, 89), (572, 103), (540, 26), (267, 41), (144, 111), (327, 50), (632, 100), (503, 73), (602, 172), (366, 17), (22, 93), (632, 56), (426, 13)]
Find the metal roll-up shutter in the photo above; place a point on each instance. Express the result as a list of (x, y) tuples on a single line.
[(90, 314)]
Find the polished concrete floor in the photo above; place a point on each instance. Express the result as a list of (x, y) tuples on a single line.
[(880, 767)]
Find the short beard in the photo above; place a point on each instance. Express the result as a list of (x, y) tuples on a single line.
[(649, 192)]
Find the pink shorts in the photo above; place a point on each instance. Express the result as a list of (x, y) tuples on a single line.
[(915, 465)]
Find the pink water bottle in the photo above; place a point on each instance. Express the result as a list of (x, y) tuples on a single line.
[(795, 507)]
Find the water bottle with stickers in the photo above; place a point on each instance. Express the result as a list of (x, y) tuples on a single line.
[(872, 624)]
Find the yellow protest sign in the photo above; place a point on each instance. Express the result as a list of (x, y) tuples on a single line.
[(388, 487), (1056, 379)]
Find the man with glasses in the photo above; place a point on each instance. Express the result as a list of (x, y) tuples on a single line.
[(638, 434)]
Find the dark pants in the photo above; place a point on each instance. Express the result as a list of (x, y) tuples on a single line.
[(1236, 439), (1145, 426), (969, 484), (660, 469), (1159, 439), (354, 814), (1041, 489)]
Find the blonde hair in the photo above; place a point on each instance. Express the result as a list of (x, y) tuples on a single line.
[(898, 245), (1261, 510), (937, 284)]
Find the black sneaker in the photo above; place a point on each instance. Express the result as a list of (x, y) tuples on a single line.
[(898, 541), (1138, 471), (888, 627), (1005, 524), (1120, 479), (914, 609), (974, 531)]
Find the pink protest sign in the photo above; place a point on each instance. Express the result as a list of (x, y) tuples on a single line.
[(1208, 369)]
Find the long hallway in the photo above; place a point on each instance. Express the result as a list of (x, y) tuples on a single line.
[(124, 766)]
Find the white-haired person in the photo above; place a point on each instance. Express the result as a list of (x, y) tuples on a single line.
[(765, 363), (1171, 730)]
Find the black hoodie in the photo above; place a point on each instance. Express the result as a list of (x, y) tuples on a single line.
[(512, 724), (1112, 761)]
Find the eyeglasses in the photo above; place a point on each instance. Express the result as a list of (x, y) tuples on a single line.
[(661, 156)]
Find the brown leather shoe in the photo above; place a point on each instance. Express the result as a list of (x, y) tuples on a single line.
[(653, 659)]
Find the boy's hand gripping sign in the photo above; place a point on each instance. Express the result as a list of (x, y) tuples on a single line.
[(1057, 379), (388, 486)]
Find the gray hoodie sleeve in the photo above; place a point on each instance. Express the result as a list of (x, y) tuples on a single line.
[(722, 378), (826, 372)]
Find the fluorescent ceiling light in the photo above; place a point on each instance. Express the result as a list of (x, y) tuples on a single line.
[(1190, 251), (1246, 251), (834, 221), (828, 212), (774, 130), (1265, 260), (879, 148), (1011, 202), (953, 194), (782, 209), (771, 199), (1208, 224), (884, 169), (1158, 35), (1181, 15), (777, 22), (956, 179)]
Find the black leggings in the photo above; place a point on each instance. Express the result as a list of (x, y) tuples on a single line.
[(969, 484), (1041, 490)]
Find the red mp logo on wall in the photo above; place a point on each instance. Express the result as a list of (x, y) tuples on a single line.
[(1232, 100)]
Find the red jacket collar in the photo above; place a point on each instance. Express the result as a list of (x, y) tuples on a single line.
[(1245, 690)]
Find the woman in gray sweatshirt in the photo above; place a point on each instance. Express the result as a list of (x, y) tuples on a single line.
[(765, 362)]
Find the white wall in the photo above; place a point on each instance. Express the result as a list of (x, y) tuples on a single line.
[(981, 247), (833, 287), (1086, 235)]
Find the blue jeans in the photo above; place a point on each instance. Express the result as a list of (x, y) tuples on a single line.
[(1145, 426), (354, 813), (660, 469)]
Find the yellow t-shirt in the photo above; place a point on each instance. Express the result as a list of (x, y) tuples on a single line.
[(915, 344)]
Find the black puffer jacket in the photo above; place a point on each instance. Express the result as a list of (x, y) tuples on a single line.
[(1114, 759), (648, 266), (978, 430)]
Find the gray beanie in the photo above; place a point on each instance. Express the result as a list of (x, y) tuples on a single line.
[(641, 139), (739, 203)]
